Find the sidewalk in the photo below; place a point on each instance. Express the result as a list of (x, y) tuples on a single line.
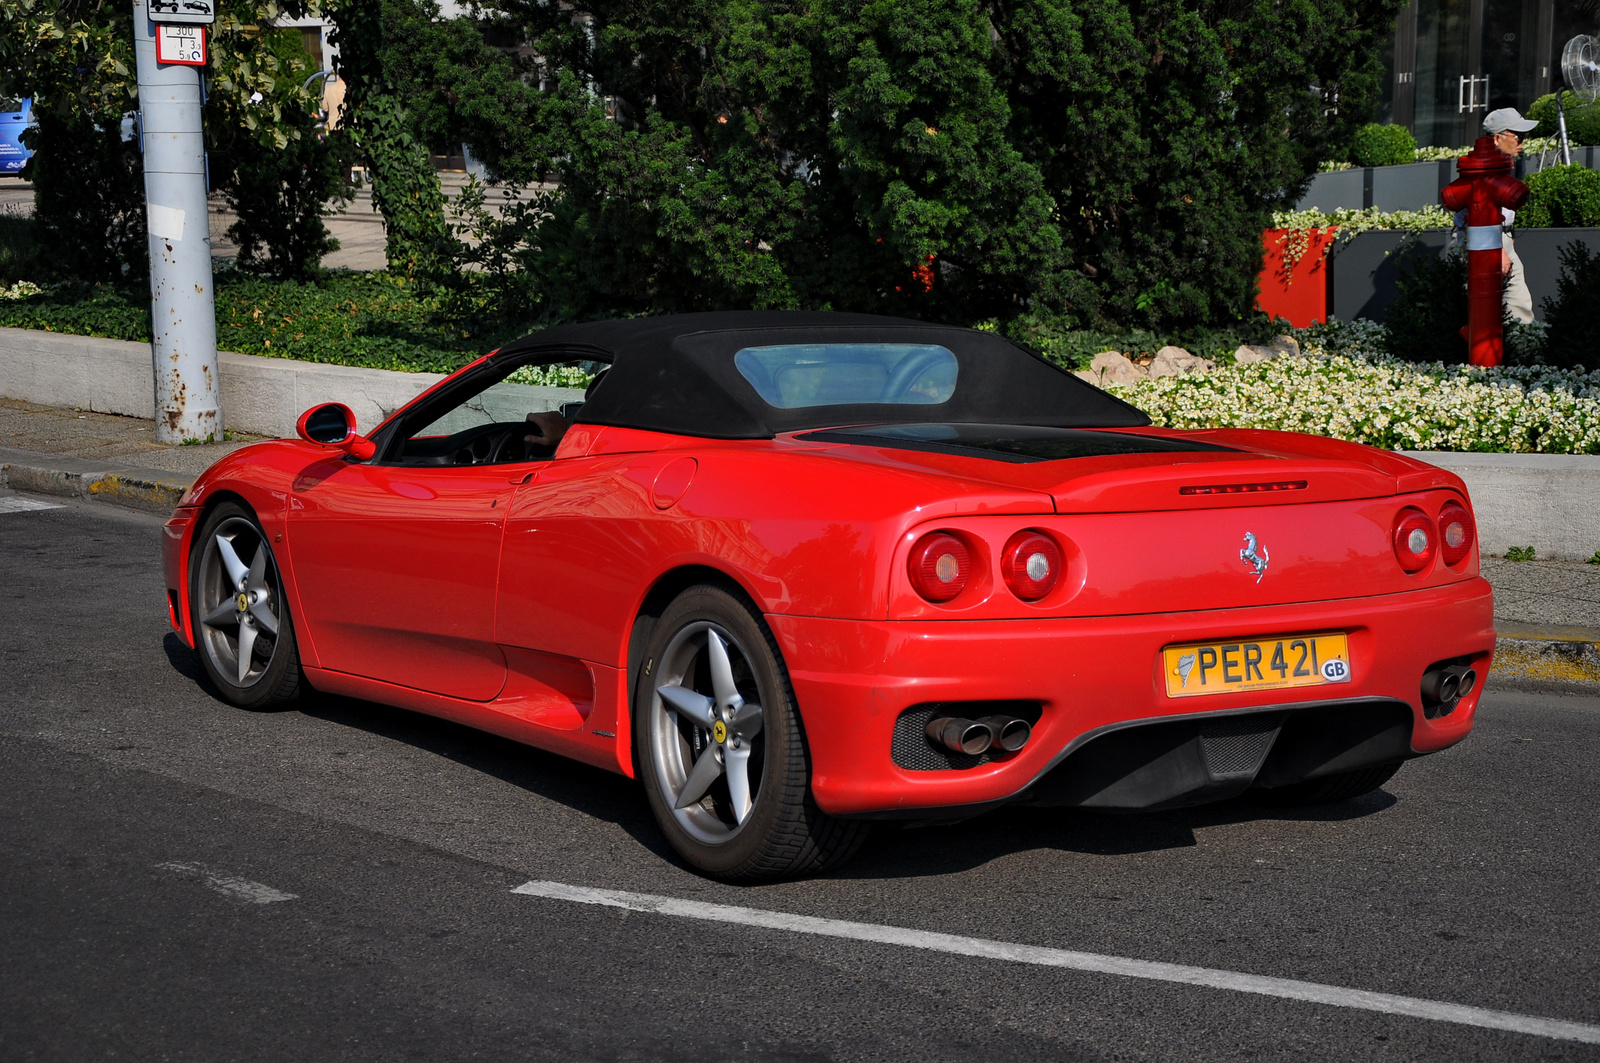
[(100, 456), (1547, 612)]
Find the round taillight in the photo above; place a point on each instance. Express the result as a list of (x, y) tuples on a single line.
[(1456, 533), (1416, 540), (940, 565), (1031, 564)]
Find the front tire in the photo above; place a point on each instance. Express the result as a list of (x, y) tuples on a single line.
[(721, 752), (238, 611)]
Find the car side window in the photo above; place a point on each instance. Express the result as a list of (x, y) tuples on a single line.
[(508, 420)]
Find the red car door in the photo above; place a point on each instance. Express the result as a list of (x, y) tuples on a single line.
[(396, 569)]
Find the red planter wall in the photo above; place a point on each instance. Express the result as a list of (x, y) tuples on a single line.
[(1298, 294)]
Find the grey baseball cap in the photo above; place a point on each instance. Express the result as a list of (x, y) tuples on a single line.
[(1507, 118)]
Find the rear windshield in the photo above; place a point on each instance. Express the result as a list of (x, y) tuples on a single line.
[(800, 375)]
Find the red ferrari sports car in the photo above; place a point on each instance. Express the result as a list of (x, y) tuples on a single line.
[(797, 572)]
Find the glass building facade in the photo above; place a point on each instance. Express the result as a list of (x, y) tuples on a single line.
[(1450, 62)]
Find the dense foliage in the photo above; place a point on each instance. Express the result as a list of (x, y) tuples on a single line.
[(1053, 164), (1583, 118), (1572, 337), (1567, 196), (19, 251), (1424, 322), (1383, 145), (278, 169), (88, 199)]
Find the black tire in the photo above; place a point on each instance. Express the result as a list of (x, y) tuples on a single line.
[(271, 675), (782, 832), (1344, 786)]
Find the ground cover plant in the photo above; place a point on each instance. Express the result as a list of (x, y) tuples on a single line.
[(1344, 384)]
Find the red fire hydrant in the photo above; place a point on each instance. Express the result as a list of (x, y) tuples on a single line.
[(1485, 185)]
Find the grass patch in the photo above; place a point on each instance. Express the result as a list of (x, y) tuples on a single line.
[(371, 320)]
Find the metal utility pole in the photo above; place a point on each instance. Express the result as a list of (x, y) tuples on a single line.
[(183, 316)]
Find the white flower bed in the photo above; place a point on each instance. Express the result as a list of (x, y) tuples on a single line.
[(1363, 395), (20, 290)]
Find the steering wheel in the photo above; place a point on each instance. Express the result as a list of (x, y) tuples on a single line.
[(512, 445), (907, 373)]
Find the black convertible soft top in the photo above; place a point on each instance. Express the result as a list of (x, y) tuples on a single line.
[(677, 374)]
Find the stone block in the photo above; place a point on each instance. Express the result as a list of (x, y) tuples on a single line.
[(1175, 361), (1112, 367)]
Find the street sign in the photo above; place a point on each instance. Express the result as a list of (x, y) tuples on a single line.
[(184, 12), (181, 44)]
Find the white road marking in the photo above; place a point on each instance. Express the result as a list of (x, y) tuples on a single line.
[(240, 889), (1313, 992), (18, 504)]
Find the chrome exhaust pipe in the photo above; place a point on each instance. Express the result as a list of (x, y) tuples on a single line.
[(1010, 733), (960, 736), (1443, 685), (1469, 679)]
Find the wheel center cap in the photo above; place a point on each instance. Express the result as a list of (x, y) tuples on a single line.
[(719, 731), (244, 602)]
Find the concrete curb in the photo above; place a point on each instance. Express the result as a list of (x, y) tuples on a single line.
[(153, 490), (1547, 660), (262, 396)]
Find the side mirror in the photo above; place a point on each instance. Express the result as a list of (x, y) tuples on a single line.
[(333, 425)]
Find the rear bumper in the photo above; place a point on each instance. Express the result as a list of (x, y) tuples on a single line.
[(853, 679)]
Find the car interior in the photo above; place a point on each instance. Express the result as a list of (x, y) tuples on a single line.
[(484, 419)]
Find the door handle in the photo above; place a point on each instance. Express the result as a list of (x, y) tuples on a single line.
[(523, 478)]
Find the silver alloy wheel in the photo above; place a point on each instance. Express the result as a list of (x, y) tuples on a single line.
[(238, 592), (705, 732)]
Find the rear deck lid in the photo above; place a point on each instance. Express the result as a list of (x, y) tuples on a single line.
[(1122, 471)]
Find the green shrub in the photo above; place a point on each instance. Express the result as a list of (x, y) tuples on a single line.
[(88, 197), (1424, 322), (363, 319), (1567, 196), (1583, 119), (1572, 335), (1383, 145), (279, 191), (18, 249)]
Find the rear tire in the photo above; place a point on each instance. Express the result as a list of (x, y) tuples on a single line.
[(237, 607), (1344, 786), (722, 756)]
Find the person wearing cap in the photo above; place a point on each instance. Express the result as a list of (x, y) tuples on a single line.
[(1509, 129)]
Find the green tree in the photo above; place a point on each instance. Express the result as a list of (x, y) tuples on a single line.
[(1076, 163), (273, 161), (375, 39), (75, 58)]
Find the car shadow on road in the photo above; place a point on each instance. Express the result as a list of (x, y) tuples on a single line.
[(585, 789), (581, 787), (939, 850), (894, 851)]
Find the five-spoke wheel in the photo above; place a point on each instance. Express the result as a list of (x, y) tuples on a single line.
[(721, 752), (240, 620)]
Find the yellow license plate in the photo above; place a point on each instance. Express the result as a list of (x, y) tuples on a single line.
[(1256, 664)]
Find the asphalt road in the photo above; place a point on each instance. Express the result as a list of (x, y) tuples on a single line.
[(180, 880)]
